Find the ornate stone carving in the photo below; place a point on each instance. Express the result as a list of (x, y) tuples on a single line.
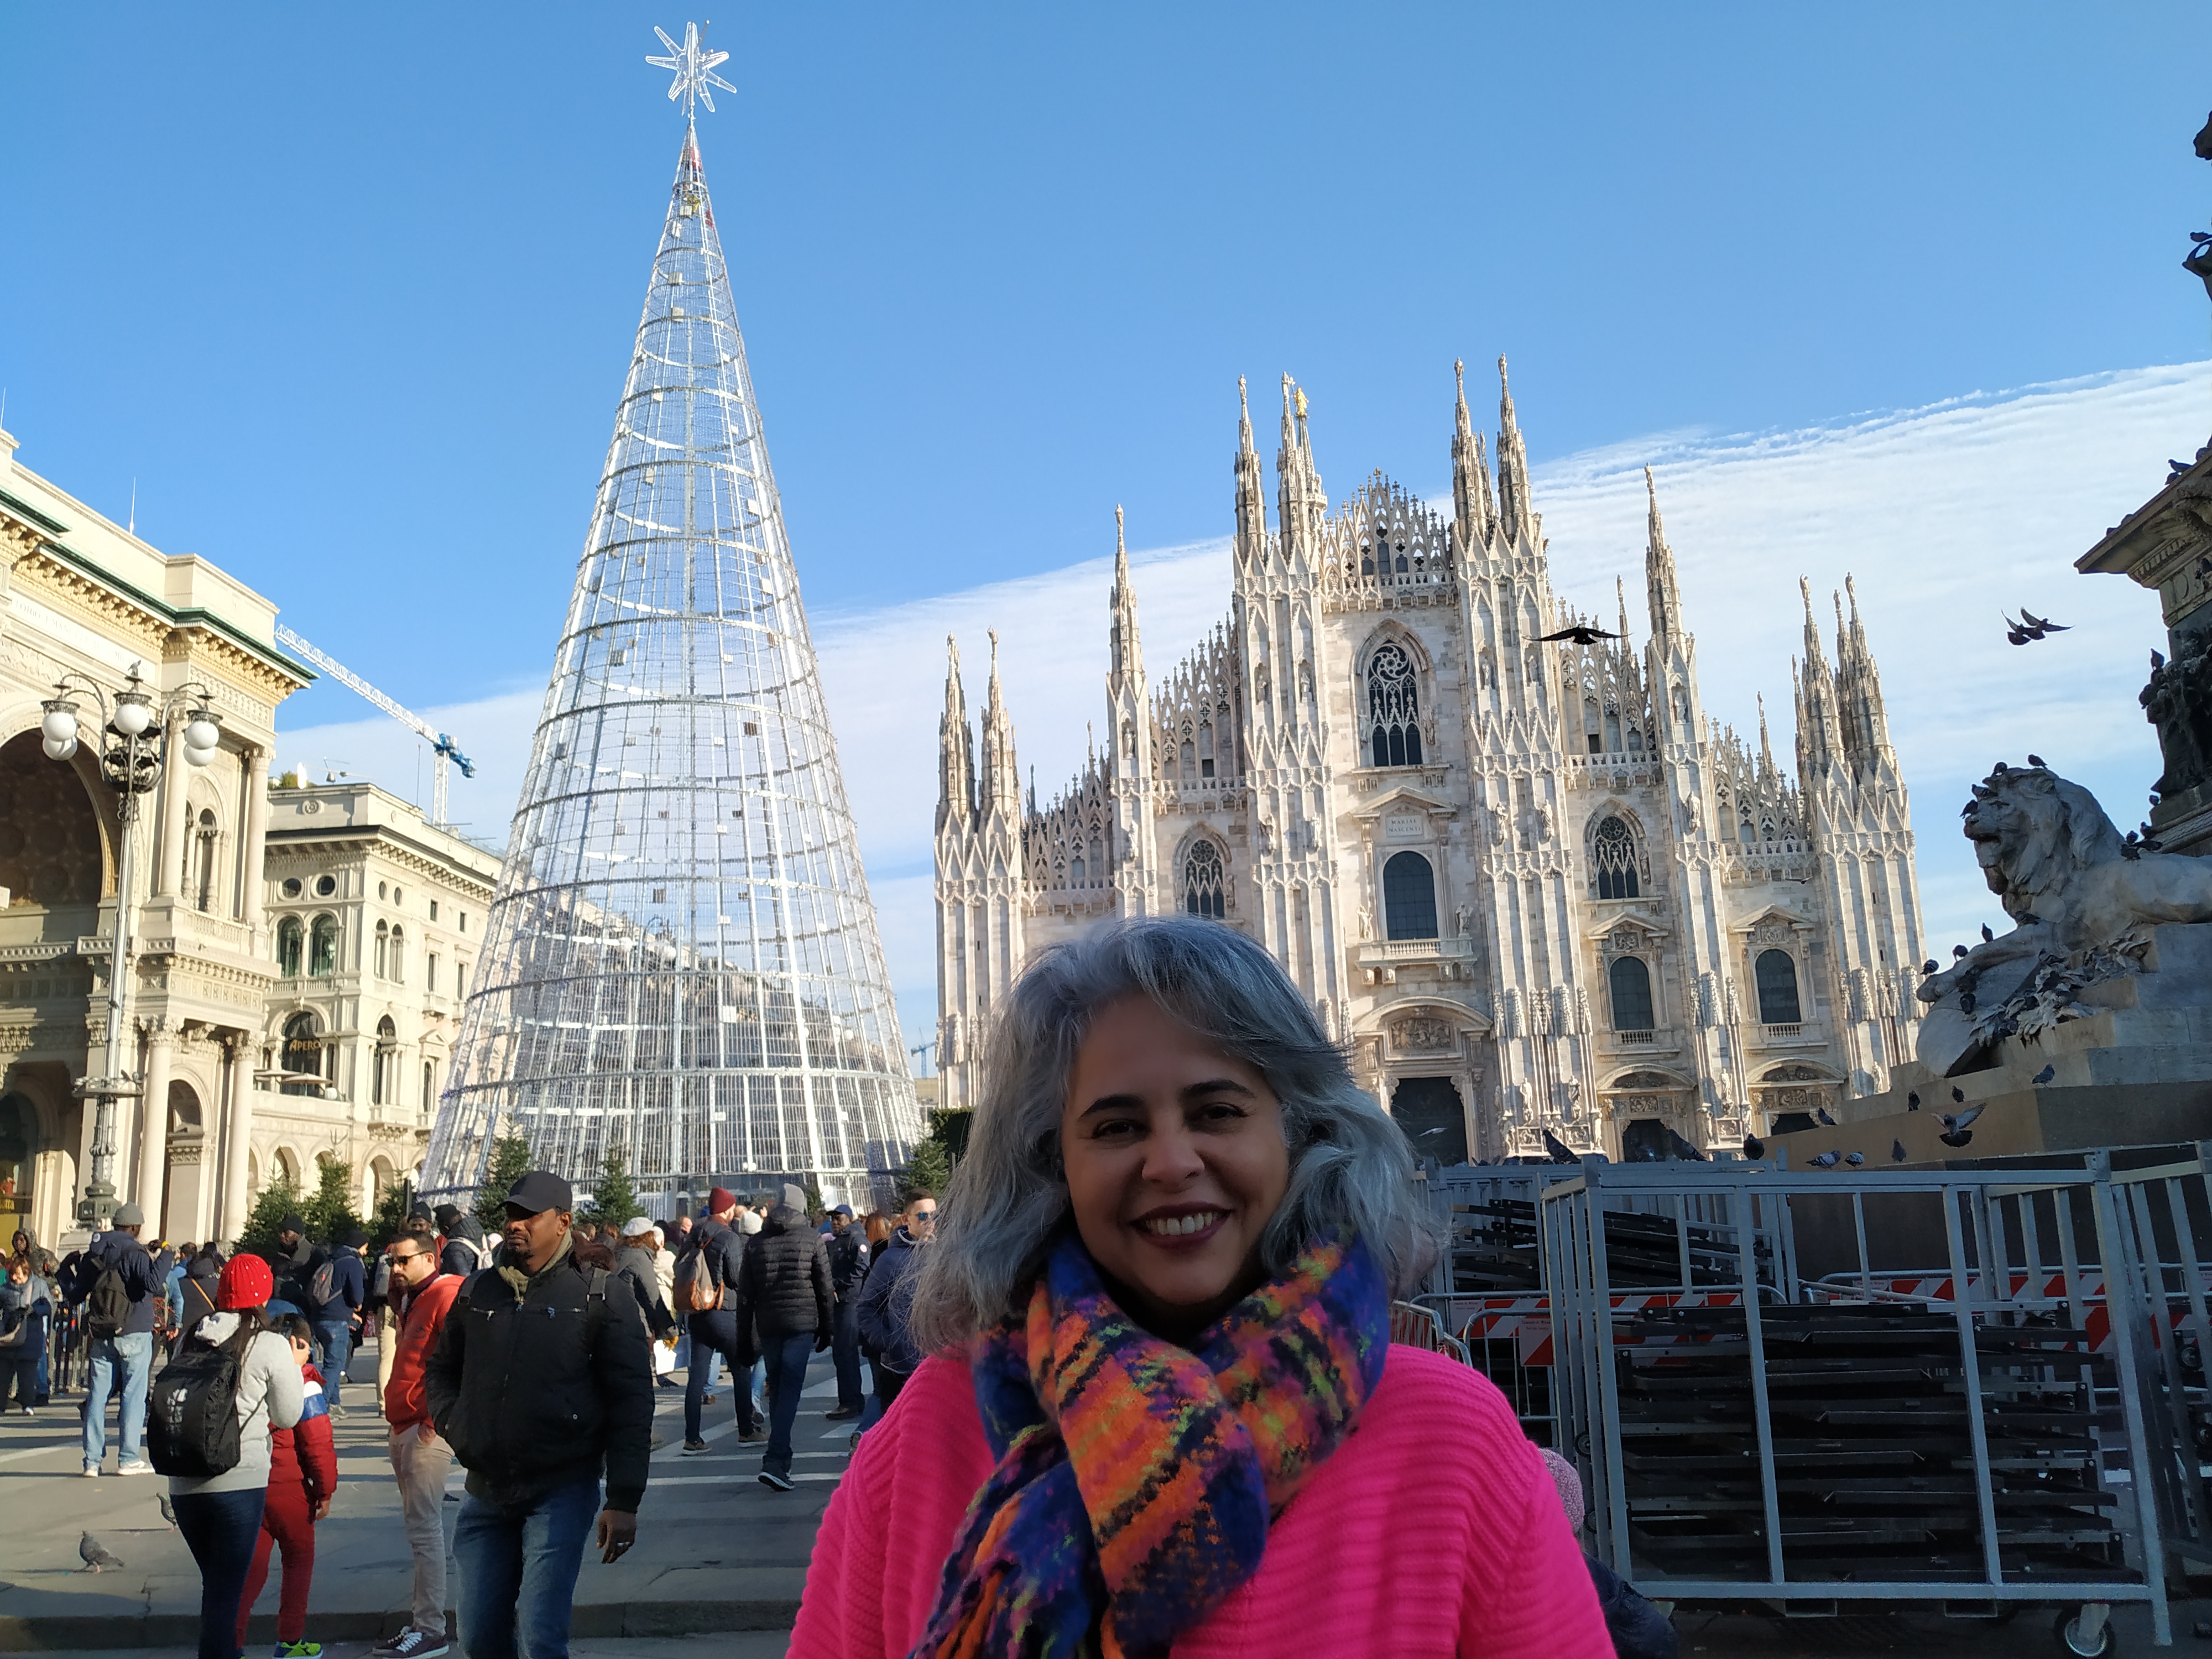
[(1420, 1034)]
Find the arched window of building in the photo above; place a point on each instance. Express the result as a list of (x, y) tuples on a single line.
[(1613, 859), (303, 1056), (1777, 988), (1613, 731), (383, 959), (291, 940), (1078, 876), (1189, 762), (1632, 994), (384, 1074), (429, 1087), (1206, 749), (200, 883), (322, 947), (1393, 708), (1590, 724), (1409, 897), (1204, 886), (398, 955)]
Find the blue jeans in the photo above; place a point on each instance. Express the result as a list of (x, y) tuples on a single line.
[(786, 1358), (220, 1529), (519, 1570), (333, 1346), (134, 1354), (844, 1348)]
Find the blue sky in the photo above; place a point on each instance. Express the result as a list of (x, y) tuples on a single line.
[(349, 293), (349, 290)]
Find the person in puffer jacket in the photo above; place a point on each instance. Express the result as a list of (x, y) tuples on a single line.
[(303, 1473), (784, 1295)]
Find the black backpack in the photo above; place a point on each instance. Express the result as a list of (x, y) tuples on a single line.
[(108, 1308), (192, 1411)]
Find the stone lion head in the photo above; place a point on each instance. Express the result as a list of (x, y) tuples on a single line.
[(2033, 831)]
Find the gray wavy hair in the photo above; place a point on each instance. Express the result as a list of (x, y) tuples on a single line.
[(1351, 1168)]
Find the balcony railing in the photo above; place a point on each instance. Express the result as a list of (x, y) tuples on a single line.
[(1376, 951)]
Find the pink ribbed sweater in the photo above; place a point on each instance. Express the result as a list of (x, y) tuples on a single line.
[(1434, 1531)]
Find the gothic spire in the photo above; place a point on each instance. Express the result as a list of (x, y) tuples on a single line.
[(1126, 658), (1663, 586), (1620, 598), (1816, 702), (1470, 473), (956, 747), (1514, 516), (1251, 502), (998, 793), (1864, 720), (1300, 503)]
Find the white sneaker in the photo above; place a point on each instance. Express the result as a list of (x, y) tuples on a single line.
[(136, 1466), (92, 1471)]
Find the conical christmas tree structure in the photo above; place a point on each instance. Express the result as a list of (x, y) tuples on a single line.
[(681, 959)]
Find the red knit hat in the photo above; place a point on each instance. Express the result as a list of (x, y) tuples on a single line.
[(246, 1282), (720, 1200)]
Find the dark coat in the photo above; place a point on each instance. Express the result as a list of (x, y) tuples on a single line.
[(636, 1265), (725, 1250), (541, 1391), (885, 1300), (352, 1285), (458, 1256), (1639, 1630), (783, 1286), (848, 1261), (296, 1272), (141, 1277)]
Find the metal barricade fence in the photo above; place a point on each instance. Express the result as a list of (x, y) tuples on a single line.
[(2024, 1423)]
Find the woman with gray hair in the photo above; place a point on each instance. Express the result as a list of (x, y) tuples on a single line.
[(1158, 1312)]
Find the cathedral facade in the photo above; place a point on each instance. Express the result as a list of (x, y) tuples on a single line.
[(1525, 879)]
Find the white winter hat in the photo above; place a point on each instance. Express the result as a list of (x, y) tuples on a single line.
[(636, 1227), (749, 1221)]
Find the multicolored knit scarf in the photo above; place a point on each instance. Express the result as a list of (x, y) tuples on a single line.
[(1136, 1478)]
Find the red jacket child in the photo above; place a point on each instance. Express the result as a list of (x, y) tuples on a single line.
[(303, 1473)]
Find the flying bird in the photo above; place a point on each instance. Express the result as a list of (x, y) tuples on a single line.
[(94, 1555), (1911, 1101), (1963, 1119), (1956, 1137), (2045, 1075), (1854, 1158), (1558, 1151), (2038, 760), (1820, 1116), (1754, 1148), (1897, 1151), (1827, 1160), (2031, 627), (1580, 633)]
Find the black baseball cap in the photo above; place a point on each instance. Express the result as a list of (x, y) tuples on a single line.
[(539, 1190)]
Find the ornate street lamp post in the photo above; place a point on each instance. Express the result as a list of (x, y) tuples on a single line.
[(135, 723)]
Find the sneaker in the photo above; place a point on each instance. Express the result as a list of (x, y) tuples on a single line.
[(693, 1448), (92, 1471), (413, 1643), (770, 1478), (842, 1414), (140, 1466), (299, 1650), (752, 1437), (337, 1415), (707, 1399)]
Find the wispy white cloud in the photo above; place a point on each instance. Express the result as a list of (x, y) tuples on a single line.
[(1945, 516)]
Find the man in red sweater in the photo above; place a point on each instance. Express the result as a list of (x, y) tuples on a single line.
[(421, 1297)]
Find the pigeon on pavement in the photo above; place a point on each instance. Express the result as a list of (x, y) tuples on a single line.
[(1911, 1100), (1957, 1094), (1820, 1116), (94, 1555), (1754, 1148), (1827, 1160), (1683, 1151), (2045, 1075), (1559, 1151), (1854, 1158), (1897, 1151)]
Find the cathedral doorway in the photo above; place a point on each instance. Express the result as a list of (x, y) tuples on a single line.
[(1428, 1110), (1644, 1140)]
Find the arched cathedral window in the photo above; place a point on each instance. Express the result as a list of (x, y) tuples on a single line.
[(1630, 981), (1393, 708), (1777, 977), (1204, 892), (1409, 897), (1613, 859)]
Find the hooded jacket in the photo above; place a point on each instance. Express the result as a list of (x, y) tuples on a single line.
[(783, 1286), (886, 1299), (545, 1388), (459, 1255)]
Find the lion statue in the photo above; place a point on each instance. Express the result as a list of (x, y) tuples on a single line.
[(2071, 884)]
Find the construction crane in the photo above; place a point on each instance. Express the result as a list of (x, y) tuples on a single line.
[(442, 748)]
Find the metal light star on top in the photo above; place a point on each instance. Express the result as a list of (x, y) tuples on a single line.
[(694, 69)]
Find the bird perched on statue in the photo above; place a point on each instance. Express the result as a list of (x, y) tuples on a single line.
[(1827, 1160), (1897, 1151), (2031, 627), (1558, 1151), (1930, 965), (2038, 760), (1965, 1002), (1683, 1151), (1754, 1148), (1854, 1158), (1580, 633), (1820, 1116), (1957, 950), (2045, 1075), (1986, 934), (1911, 1101), (94, 1555)]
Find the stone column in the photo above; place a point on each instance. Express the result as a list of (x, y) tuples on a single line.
[(257, 834), (237, 1117), (169, 834), (154, 1126)]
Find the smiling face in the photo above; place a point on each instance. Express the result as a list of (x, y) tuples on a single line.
[(1175, 1164)]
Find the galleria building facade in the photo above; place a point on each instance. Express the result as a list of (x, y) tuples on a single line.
[(1529, 883)]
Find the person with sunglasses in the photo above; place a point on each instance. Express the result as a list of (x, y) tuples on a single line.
[(421, 1297)]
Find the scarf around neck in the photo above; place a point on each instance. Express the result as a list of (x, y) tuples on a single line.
[(521, 1281), (1136, 1478)]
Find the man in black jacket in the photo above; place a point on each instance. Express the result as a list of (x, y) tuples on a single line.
[(715, 1246), (540, 1377), (783, 1294), (888, 1297), (848, 1266)]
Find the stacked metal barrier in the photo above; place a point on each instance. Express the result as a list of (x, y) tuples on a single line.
[(2024, 1422)]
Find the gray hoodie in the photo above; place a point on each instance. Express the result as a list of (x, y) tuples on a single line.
[(270, 1390)]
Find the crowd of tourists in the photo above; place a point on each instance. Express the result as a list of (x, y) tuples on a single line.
[(1140, 1393)]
